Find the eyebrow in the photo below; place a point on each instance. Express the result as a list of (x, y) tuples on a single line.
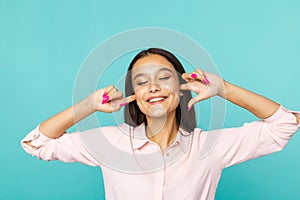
[(143, 74)]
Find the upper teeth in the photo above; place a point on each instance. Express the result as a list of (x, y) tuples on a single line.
[(156, 99)]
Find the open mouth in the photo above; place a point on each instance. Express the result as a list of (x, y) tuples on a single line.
[(156, 100)]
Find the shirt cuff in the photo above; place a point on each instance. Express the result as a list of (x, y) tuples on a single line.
[(298, 114), (36, 137), (282, 111)]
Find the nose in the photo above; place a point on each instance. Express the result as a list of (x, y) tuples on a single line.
[(154, 87)]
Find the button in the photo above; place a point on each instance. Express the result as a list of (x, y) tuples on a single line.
[(168, 154), (35, 135)]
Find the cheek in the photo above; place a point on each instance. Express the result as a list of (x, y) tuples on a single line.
[(139, 95), (142, 106), (175, 91), (173, 87), (139, 92)]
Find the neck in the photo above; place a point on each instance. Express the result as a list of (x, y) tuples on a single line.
[(162, 130)]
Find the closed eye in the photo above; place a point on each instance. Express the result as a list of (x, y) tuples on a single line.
[(164, 78), (142, 83)]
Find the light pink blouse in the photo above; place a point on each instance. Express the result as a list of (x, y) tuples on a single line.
[(194, 175)]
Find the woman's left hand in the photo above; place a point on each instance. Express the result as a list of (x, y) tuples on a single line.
[(205, 84)]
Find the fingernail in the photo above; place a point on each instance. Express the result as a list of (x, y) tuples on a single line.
[(104, 94), (194, 75), (189, 108), (123, 104), (205, 80), (105, 99)]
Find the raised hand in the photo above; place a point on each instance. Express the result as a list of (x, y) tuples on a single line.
[(205, 84), (109, 99)]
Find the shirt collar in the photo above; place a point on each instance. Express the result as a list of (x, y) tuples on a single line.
[(139, 138)]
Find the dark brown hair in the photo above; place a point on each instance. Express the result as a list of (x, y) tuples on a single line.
[(132, 113)]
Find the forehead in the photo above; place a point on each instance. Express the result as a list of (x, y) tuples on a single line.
[(153, 58), (151, 69), (151, 64)]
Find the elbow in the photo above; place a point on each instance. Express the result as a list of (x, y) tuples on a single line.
[(282, 133), (38, 152), (281, 136), (281, 141)]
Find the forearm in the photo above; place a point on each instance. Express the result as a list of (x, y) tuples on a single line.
[(55, 126), (260, 106)]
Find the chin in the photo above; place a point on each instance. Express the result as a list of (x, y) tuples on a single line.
[(157, 111)]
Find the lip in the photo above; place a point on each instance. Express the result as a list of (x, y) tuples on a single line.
[(157, 102)]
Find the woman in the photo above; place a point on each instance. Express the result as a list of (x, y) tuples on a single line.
[(159, 106)]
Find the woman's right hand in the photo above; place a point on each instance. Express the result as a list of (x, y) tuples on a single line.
[(108, 99)]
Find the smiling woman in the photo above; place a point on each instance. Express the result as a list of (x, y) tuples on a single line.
[(170, 69), (160, 119)]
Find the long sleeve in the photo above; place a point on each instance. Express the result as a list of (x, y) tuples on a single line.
[(255, 139), (66, 148)]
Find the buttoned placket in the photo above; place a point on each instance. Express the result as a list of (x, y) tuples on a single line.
[(159, 186), (166, 158)]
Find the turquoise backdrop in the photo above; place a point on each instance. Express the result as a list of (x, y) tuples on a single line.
[(255, 45)]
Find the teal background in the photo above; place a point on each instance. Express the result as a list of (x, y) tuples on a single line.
[(255, 44)]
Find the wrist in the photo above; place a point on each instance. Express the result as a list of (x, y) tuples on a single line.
[(88, 105), (225, 89)]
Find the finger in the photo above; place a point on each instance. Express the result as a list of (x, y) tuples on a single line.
[(108, 89), (200, 72), (185, 86), (193, 101), (110, 93), (190, 86), (115, 94), (127, 100), (187, 77), (112, 107), (115, 106), (105, 98), (130, 98), (203, 75), (196, 75)]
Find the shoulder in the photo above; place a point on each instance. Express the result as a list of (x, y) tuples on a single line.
[(107, 131), (102, 141), (206, 140)]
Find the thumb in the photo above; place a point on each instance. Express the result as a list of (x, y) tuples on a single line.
[(194, 100)]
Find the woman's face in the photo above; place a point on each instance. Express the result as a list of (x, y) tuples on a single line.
[(156, 86)]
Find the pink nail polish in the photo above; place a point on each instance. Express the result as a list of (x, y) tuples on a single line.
[(194, 75), (189, 108), (206, 81), (104, 101), (105, 98), (123, 104)]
